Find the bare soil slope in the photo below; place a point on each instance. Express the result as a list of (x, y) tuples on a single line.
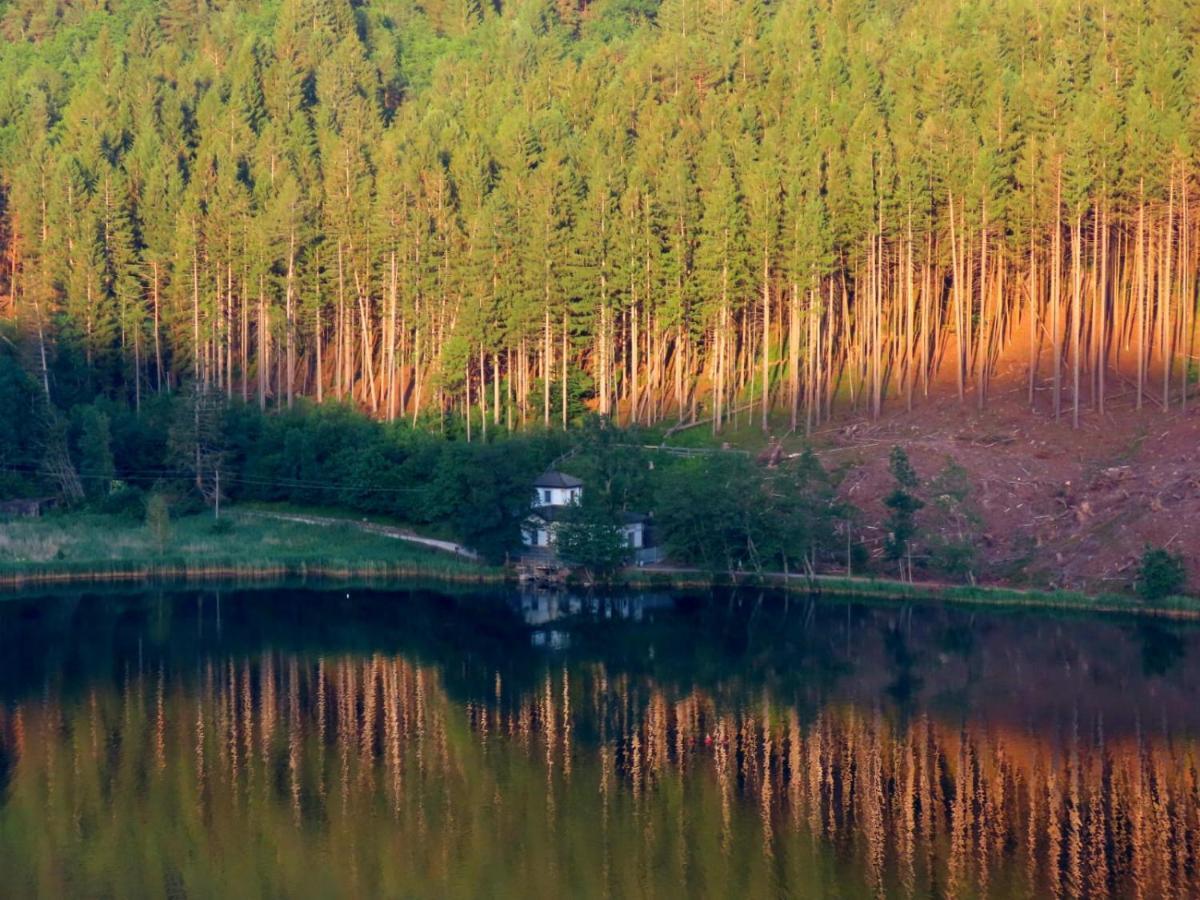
[(1060, 507)]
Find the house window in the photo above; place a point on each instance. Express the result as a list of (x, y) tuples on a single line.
[(546, 495)]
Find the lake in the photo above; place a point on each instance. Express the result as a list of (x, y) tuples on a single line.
[(416, 743)]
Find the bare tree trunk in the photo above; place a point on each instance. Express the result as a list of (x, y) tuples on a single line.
[(794, 354), (1164, 298), (958, 303), (1102, 303), (1141, 293), (264, 345), (983, 348), (289, 323), (766, 337), (909, 301), (547, 363), (1076, 312), (197, 367), (564, 372), (1055, 296), (158, 357)]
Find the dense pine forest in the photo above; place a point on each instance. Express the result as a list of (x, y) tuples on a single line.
[(509, 213)]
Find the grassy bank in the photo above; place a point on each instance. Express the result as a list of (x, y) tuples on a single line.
[(79, 547), (86, 547), (1177, 607)]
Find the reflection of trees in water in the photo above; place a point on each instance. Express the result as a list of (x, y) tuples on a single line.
[(927, 806), (310, 775), (1162, 648)]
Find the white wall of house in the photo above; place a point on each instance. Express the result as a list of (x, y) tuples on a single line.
[(538, 535), (557, 496), (634, 535)]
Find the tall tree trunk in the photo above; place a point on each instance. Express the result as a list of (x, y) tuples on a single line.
[(766, 336), (1076, 312), (958, 303), (158, 354), (909, 303), (264, 345), (1102, 306), (564, 372), (794, 354), (1055, 296), (289, 333), (1141, 294), (1164, 297)]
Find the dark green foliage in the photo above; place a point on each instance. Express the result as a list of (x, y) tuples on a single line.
[(96, 466), (197, 440), (726, 513), (804, 513), (20, 411), (706, 513), (613, 464), (958, 524), (1161, 574), (589, 536), (483, 493), (124, 500), (903, 506), (332, 455)]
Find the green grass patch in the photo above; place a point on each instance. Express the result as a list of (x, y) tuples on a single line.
[(89, 546)]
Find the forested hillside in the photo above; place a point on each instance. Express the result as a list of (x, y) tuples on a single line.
[(675, 210)]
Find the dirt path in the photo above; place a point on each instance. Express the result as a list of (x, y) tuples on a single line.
[(390, 531)]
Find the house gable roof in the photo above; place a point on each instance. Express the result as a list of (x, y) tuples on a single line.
[(554, 479)]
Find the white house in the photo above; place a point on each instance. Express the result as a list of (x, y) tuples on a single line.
[(557, 489), (554, 492)]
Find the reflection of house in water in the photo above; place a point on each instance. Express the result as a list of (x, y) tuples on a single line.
[(554, 494), (541, 608)]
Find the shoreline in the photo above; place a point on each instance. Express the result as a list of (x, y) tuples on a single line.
[(1181, 608), (17, 577)]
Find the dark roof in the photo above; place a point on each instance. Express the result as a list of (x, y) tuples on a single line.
[(554, 479)]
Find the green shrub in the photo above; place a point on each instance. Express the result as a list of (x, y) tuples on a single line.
[(222, 526), (158, 521), (126, 501), (955, 558), (1161, 574), (903, 505)]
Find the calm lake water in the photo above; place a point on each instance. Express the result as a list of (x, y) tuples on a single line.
[(296, 743)]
